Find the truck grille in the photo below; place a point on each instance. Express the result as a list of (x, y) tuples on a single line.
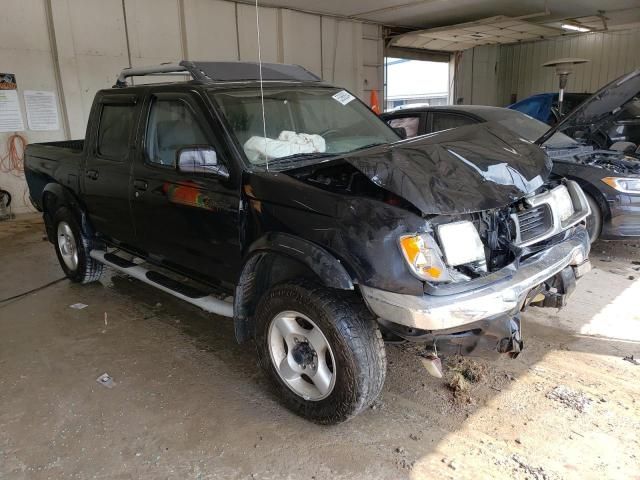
[(535, 222)]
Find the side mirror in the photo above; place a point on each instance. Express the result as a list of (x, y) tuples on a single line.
[(202, 160), (400, 131)]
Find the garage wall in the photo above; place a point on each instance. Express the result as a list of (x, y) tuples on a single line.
[(75, 47), (476, 76), (612, 54), (491, 75)]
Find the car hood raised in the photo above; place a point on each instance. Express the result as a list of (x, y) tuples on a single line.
[(462, 170), (600, 106)]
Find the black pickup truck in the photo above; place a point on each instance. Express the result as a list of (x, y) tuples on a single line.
[(288, 205)]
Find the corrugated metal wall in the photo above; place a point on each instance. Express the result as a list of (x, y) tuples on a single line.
[(75, 47), (611, 55)]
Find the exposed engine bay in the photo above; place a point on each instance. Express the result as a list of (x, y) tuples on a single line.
[(505, 233), (614, 161)]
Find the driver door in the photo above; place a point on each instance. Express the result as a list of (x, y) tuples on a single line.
[(187, 220)]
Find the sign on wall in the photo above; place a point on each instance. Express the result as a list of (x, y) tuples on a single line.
[(42, 110), (10, 112), (8, 81)]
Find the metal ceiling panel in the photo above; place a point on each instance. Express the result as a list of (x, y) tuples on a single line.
[(489, 31)]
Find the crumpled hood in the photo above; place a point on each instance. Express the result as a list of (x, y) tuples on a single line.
[(462, 170), (600, 106)]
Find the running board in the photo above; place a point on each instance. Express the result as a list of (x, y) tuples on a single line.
[(209, 303)]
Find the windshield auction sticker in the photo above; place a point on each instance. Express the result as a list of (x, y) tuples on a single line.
[(343, 97)]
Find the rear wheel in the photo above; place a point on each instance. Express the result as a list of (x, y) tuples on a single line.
[(73, 247), (322, 350), (594, 221)]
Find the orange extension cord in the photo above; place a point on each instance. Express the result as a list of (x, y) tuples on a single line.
[(13, 161)]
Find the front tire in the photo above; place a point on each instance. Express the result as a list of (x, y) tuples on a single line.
[(73, 247), (322, 350), (594, 221)]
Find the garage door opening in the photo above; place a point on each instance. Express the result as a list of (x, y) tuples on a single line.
[(412, 83)]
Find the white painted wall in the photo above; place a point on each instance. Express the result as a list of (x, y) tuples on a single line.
[(476, 76), (87, 42), (490, 75), (611, 55)]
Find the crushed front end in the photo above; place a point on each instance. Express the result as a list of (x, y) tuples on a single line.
[(480, 270)]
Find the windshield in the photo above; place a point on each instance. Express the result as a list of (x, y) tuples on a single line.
[(528, 128), (301, 123)]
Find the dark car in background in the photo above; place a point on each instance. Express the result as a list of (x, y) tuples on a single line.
[(622, 127), (611, 179)]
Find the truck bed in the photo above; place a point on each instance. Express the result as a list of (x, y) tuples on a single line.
[(55, 150), (57, 162)]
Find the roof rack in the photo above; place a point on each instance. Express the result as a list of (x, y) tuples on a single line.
[(210, 72)]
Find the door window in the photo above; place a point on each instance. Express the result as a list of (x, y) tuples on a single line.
[(410, 125), (445, 121), (113, 134), (172, 126)]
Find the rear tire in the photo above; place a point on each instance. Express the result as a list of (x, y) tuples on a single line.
[(330, 338), (73, 247), (594, 221)]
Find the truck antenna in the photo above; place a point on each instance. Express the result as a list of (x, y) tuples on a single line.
[(264, 122)]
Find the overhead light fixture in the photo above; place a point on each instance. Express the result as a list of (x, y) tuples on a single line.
[(574, 28)]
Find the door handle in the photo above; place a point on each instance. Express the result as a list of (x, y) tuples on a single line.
[(92, 174), (140, 184)]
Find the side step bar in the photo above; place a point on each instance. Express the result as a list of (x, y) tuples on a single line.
[(208, 303)]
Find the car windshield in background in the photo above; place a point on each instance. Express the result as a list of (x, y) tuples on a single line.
[(301, 123), (528, 128)]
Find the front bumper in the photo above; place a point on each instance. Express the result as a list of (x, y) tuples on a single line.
[(625, 218), (502, 293)]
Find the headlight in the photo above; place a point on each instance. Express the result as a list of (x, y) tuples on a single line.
[(563, 202), (424, 258), (461, 243), (625, 185)]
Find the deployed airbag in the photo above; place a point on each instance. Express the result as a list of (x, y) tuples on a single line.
[(259, 149)]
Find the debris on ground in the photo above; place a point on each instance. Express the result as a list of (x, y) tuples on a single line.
[(459, 386), (570, 398), (630, 359), (106, 380), (461, 373), (470, 369), (403, 462), (534, 473), (78, 306)]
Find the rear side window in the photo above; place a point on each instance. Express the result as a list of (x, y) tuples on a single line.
[(445, 121), (172, 126), (410, 124), (116, 122)]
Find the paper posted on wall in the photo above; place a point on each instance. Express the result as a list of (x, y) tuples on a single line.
[(42, 110), (10, 113)]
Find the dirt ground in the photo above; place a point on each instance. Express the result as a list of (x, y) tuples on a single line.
[(189, 403)]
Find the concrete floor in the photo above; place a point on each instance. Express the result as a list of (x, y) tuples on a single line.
[(188, 402)]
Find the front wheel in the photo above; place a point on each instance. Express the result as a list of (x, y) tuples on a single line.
[(73, 247), (322, 350), (594, 221)]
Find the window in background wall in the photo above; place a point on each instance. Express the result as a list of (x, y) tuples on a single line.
[(415, 82)]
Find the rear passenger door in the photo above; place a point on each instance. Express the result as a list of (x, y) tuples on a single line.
[(439, 121), (185, 220), (413, 123), (108, 164)]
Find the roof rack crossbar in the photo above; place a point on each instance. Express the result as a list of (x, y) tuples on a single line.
[(208, 72), (182, 68)]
